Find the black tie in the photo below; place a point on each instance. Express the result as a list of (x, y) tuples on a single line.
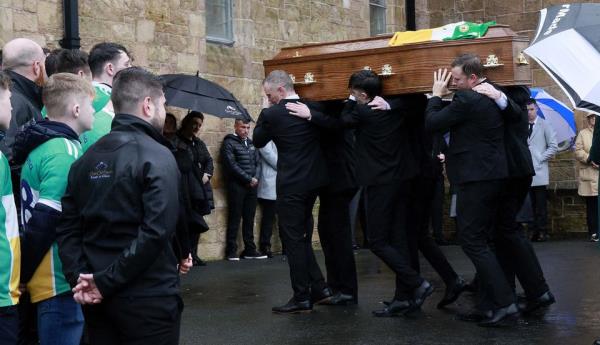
[(530, 130)]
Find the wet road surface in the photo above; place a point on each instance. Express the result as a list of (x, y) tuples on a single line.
[(230, 303)]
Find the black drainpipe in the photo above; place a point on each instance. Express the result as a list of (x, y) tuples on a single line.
[(411, 16), (71, 39)]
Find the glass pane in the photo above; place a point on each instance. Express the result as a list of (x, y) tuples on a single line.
[(377, 20), (218, 19)]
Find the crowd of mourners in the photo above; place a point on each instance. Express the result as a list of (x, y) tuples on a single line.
[(104, 196)]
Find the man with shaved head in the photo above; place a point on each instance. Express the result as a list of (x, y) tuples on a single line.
[(23, 60)]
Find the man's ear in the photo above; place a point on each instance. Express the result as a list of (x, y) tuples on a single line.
[(147, 107), (110, 68), (75, 110)]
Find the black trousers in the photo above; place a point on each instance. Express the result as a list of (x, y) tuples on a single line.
[(423, 192), (134, 321), (437, 207), (336, 240), (241, 206), (539, 195), (269, 210), (387, 211), (513, 250), (296, 229), (9, 326), (591, 211), (476, 207)]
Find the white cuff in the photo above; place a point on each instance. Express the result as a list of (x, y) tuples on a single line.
[(502, 102)]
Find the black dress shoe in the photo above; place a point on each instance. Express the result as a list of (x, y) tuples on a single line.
[(529, 306), (422, 292), (395, 308), (340, 299), (321, 296), (474, 315), (597, 342), (452, 292), (506, 316), (293, 307)]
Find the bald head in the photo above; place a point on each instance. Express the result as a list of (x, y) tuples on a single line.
[(23, 56)]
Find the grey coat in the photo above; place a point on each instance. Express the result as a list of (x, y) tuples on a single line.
[(267, 172), (542, 145)]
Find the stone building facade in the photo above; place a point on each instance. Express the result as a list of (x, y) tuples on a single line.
[(169, 36)]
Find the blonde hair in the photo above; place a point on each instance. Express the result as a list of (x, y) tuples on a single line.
[(61, 88)]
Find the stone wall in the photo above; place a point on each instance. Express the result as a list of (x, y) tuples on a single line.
[(168, 36)]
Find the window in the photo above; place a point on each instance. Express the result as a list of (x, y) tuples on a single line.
[(219, 24), (377, 16)]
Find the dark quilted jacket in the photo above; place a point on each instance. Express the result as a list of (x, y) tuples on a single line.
[(240, 162)]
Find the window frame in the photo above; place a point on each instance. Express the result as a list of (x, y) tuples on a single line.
[(229, 41), (380, 6)]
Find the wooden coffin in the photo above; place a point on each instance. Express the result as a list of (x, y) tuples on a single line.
[(409, 67)]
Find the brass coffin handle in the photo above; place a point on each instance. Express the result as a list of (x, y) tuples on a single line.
[(492, 61)]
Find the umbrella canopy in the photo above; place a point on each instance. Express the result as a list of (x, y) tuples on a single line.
[(195, 93), (567, 46), (558, 115)]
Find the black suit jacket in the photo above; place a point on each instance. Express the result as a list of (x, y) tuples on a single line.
[(476, 151), (337, 143), (301, 166), (384, 153), (516, 131)]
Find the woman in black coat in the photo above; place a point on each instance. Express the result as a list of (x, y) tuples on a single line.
[(196, 166)]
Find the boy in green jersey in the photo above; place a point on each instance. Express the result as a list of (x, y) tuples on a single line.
[(10, 251), (47, 149), (106, 60)]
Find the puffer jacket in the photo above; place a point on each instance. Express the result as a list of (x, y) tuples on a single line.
[(240, 162)]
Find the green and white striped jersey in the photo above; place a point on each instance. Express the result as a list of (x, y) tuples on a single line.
[(44, 180), (10, 249)]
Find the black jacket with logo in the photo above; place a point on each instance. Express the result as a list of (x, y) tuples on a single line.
[(119, 213), (240, 161)]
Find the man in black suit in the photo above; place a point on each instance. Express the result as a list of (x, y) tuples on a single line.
[(335, 233), (301, 171), (514, 251), (476, 163), (387, 164)]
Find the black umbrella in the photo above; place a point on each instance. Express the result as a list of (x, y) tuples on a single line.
[(567, 46), (195, 93)]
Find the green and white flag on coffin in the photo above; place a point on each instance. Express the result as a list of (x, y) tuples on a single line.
[(469, 30)]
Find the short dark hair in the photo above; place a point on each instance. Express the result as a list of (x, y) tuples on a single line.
[(51, 62), (72, 61), (531, 101), (103, 53), (5, 81), (367, 81), (244, 121), (469, 63), (131, 85), (190, 116)]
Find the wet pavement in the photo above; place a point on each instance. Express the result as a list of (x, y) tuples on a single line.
[(230, 303)]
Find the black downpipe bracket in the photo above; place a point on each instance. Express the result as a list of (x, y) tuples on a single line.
[(71, 39), (411, 15)]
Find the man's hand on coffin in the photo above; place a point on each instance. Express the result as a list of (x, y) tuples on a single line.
[(442, 157), (379, 103), (440, 83), (299, 109), (488, 90)]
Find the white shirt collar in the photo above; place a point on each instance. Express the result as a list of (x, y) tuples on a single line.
[(294, 96)]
